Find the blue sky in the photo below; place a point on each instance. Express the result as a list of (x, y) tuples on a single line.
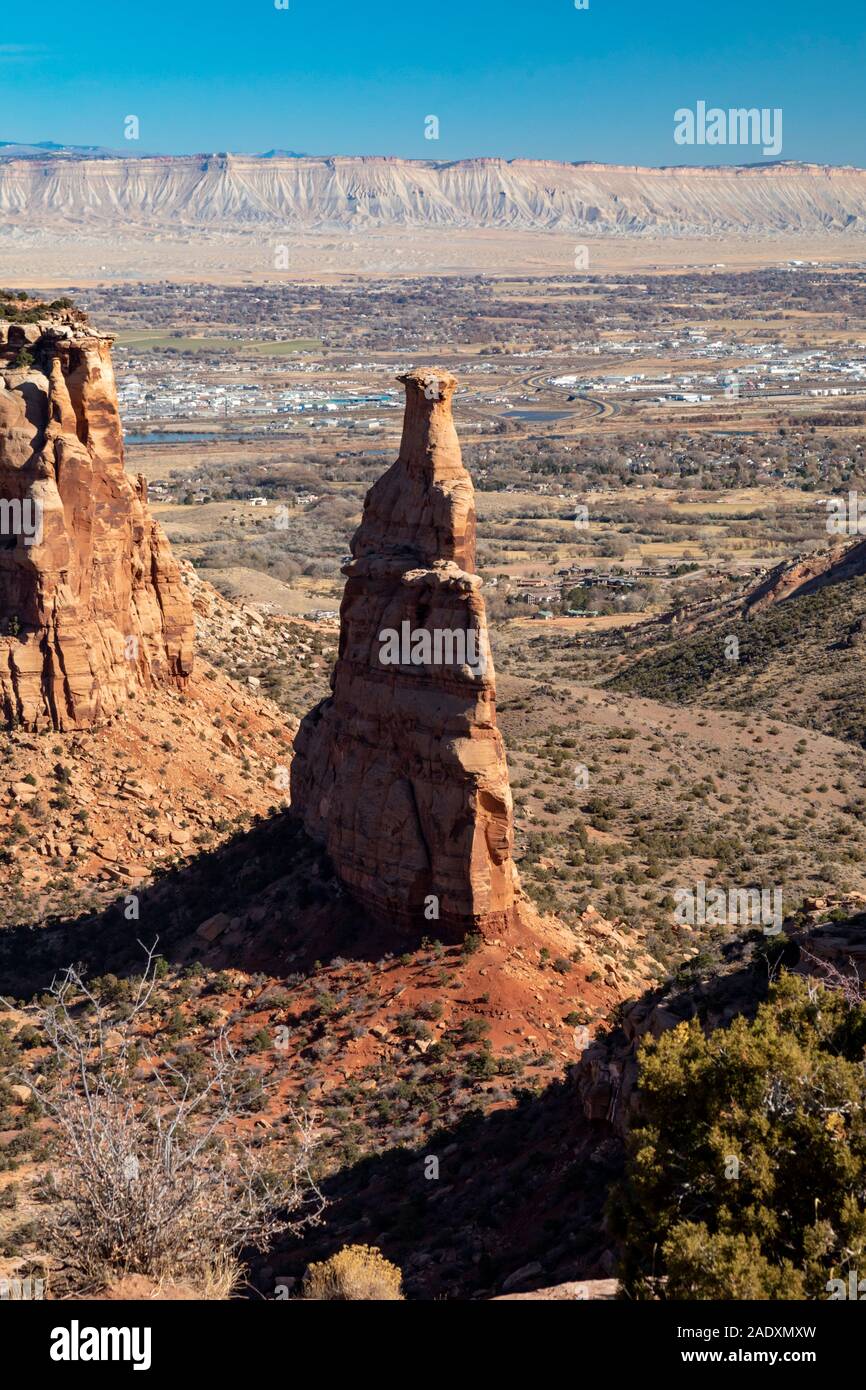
[(516, 78)]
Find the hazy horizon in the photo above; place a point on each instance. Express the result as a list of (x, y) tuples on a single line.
[(95, 150)]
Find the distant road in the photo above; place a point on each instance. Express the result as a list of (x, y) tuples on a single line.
[(603, 409)]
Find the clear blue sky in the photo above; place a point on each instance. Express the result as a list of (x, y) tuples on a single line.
[(516, 78)]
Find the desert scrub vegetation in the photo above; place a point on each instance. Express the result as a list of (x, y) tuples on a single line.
[(694, 669), (746, 1177), (357, 1273), (151, 1173)]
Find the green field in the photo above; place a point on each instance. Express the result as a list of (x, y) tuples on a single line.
[(160, 342)]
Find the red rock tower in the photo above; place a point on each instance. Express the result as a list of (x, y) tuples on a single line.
[(401, 772), (92, 606)]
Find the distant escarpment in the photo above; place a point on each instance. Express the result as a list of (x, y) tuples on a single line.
[(92, 607), (240, 193), (402, 772)]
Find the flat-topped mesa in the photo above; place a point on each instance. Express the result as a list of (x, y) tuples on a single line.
[(401, 772), (92, 605)]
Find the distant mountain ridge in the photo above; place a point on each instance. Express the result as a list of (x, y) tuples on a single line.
[(50, 149), (98, 189)]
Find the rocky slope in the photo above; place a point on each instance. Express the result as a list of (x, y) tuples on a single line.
[(89, 813), (808, 574), (401, 772), (92, 608), (237, 192)]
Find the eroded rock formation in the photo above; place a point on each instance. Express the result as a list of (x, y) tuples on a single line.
[(402, 772), (92, 606)]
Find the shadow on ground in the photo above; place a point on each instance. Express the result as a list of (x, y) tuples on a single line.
[(285, 909), (476, 1203)]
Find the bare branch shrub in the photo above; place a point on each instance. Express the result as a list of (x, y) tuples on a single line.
[(849, 984), (153, 1176)]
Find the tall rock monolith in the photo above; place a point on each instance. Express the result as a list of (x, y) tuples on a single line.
[(401, 772)]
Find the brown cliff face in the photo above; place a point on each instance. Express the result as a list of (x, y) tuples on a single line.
[(92, 606), (402, 772)]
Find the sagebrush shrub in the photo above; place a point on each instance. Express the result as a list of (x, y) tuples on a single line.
[(357, 1273)]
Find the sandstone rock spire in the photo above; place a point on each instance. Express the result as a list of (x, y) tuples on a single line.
[(92, 606), (401, 772)]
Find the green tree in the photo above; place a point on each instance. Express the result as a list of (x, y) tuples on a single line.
[(746, 1176)]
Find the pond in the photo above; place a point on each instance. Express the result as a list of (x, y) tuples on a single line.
[(183, 437), (540, 414)]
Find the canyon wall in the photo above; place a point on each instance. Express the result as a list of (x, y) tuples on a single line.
[(92, 606)]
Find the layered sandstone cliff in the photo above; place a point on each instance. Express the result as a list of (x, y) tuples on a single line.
[(92, 606), (402, 772)]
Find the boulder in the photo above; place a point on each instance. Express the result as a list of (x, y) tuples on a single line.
[(213, 927)]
